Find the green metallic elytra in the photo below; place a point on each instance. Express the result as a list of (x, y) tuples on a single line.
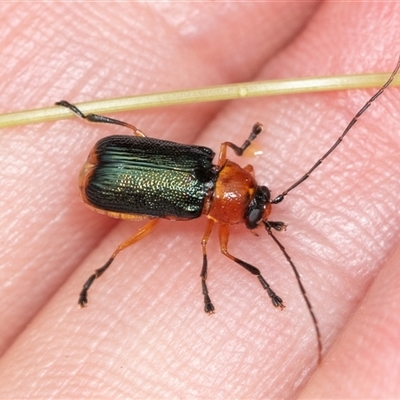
[(144, 176)]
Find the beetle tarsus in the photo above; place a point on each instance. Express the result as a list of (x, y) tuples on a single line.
[(72, 107), (83, 300), (277, 225), (83, 294), (98, 118), (276, 300), (208, 306), (257, 129)]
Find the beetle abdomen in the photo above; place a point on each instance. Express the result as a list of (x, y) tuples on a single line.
[(144, 176)]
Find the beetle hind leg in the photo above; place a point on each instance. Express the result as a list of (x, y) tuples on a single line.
[(224, 238), (99, 118), (83, 299), (140, 234)]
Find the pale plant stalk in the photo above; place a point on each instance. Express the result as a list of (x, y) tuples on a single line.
[(205, 94)]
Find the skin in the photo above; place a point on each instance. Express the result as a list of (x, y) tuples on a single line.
[(144, 333)]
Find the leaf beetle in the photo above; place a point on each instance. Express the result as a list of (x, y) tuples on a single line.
[(134, 177)]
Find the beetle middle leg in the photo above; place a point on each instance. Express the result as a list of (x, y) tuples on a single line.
[(208, 306), (140, 234), (223, 240), (99, 118)]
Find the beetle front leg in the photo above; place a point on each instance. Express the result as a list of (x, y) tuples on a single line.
[(146, 229), (257, 129), (223, 240)]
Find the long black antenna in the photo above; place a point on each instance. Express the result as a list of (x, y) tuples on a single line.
[(280, 197), (302, 289)]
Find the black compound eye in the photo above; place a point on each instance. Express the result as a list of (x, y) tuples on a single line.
[(257, 206), (253, 219)]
